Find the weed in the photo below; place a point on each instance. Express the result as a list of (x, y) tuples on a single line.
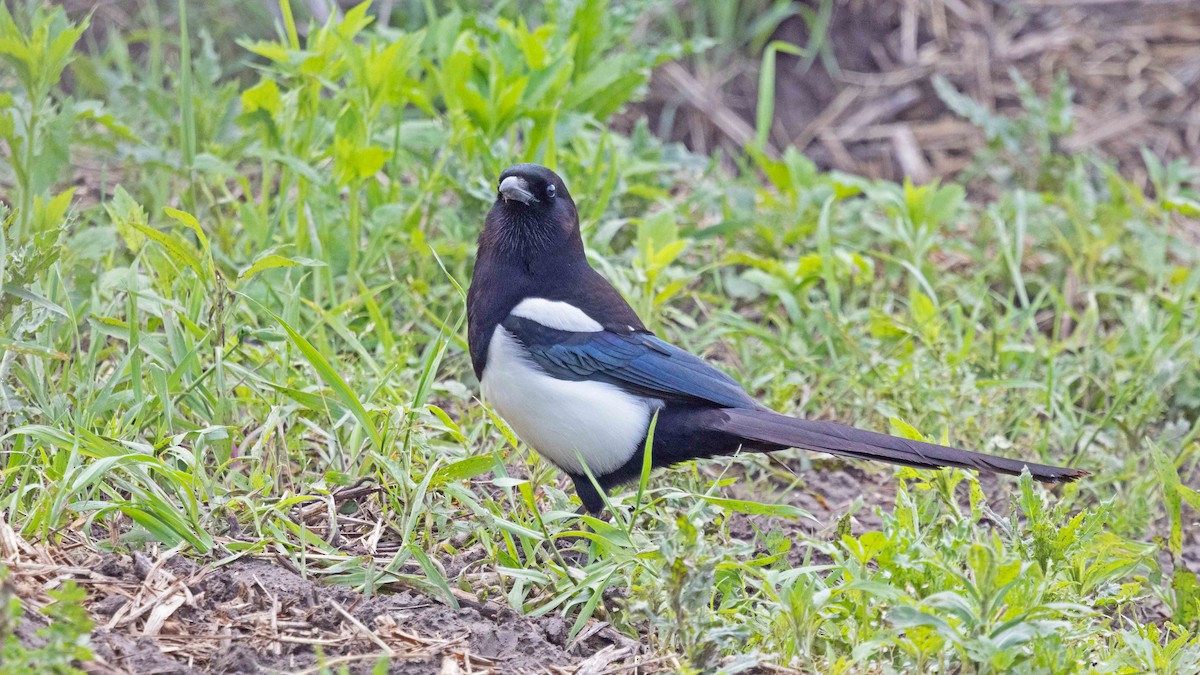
[(63, 642)]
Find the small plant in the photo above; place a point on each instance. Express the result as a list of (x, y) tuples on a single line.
[(693, 604), (65, 642), (36, 127), (1024, 149), (1184, 595)]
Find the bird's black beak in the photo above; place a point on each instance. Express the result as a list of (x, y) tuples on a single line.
[(515, 188)]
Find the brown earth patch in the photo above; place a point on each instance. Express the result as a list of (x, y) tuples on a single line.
[(872, 108), (168, 614), (158, 612)]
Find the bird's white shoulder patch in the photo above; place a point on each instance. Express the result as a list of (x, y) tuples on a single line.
[(557, 315)]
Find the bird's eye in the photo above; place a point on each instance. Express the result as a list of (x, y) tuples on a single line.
[(550, 191)]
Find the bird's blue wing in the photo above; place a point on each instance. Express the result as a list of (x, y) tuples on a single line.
[(636, 361)]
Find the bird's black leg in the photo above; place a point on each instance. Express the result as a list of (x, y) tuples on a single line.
[(593, 503)]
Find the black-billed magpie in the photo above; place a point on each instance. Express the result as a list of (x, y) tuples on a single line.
[(564, 359)]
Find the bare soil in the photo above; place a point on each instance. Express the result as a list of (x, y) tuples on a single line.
[(172, 615), (158, 612), (872, 109)]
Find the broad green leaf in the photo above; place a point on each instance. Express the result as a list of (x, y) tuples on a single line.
[(177, 249), (925, 316), (127, 215), (189, 221), (904, 429), (1168, 477), (262, 96), (273, 261), (757, 508), (1187, 596), (464, 469)]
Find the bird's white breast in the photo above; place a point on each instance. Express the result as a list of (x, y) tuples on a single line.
[(562, 419)]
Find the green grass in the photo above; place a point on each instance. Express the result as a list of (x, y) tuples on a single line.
[(256, 297)]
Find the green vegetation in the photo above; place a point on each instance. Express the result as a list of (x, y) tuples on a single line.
[(62, 643), (233, 280)]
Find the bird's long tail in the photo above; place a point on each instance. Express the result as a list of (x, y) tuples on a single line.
[(772, 429)]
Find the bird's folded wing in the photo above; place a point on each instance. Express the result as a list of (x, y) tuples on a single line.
[(636, 361)]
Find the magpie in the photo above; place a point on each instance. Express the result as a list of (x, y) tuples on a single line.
[(565, 360)]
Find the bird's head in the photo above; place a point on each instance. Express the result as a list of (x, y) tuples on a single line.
[(531, 185), (532, 209)]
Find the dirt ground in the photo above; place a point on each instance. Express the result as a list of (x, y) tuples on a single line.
[(170, 614), (160, 612), (872, 109)]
